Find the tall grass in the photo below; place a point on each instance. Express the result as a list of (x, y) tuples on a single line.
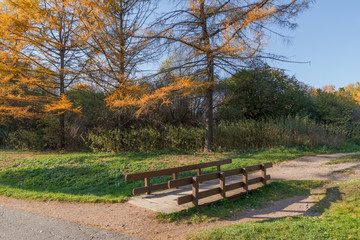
[(147, 139), (244, 134), (277, 132)]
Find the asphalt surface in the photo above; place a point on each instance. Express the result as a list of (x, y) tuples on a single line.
[(19, 225)]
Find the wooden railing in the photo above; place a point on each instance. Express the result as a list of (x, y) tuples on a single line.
[(170, 171), (223, 188)]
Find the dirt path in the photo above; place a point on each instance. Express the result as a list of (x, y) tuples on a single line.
[(315, 168), (128, 219)]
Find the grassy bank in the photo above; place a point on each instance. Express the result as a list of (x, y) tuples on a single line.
[(340, 219), (351, 158), (99, 177)]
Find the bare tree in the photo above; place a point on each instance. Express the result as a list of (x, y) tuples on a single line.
[(118, 49), (223, 33)]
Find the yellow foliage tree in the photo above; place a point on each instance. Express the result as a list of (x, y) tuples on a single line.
[(216, 33), (41, 55)]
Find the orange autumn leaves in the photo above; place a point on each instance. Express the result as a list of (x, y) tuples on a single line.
[(225, 30), (143, 98)]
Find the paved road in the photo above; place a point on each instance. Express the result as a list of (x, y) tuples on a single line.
[(19, 225)]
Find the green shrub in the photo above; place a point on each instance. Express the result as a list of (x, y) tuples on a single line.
[(245, 134), (184, 138), (25, 140), (271, 133), (146, 139)]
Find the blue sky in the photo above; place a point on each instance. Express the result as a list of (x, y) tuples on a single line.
[(328, 35)]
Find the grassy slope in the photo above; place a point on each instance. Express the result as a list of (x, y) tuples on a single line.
[(351, 158), (99, 177), (340, 220)]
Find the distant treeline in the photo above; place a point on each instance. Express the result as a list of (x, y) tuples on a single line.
[(255, 108)]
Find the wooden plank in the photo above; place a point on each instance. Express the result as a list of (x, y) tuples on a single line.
[(208, 177), (150, 188), (257, 180), (263, 174), (254, 180), (175, 176), (222, 185), (234, 186), (253, 168), (209, 192), (245, 180), (184, 199), (198, 172), (147, 184), (268, 164), (233, 172), (238, 171), (180, 182), (195, 191), (169, 171), (189, 198)]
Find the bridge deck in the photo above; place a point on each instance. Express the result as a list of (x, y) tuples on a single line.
[(166, 201)]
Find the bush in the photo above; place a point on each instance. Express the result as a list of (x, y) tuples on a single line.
[(24, 140), (274, 133), (146, 139), (245, 134)]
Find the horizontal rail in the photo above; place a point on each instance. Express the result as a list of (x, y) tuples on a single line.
[(258, 167), (150, 188), (208, 177), (237, 171), (184, 199), (234, 186), (180, 182), (210, 192), (215, 175), (169, 171), (257, 180)]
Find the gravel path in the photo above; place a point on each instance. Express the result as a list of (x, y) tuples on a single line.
[(20, 225)]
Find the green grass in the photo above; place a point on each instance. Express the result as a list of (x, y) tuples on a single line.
[(340, 220), (99, 177), (256, 199), (351, 158)]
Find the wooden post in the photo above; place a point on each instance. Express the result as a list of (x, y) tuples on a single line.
[(218, 168), (175, 176), (245, 179), (147, 184), (199, 172), (195, 191), (222, 185), (263, 173)]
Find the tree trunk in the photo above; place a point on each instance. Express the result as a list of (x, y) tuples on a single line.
[(209, 118), (61, 131), (62, 91), (122, 44)]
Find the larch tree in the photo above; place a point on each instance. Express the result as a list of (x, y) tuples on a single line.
[(44, 56), (115, 28), (220, 34)]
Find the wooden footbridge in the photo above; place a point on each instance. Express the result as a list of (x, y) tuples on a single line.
[(182, 193)]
